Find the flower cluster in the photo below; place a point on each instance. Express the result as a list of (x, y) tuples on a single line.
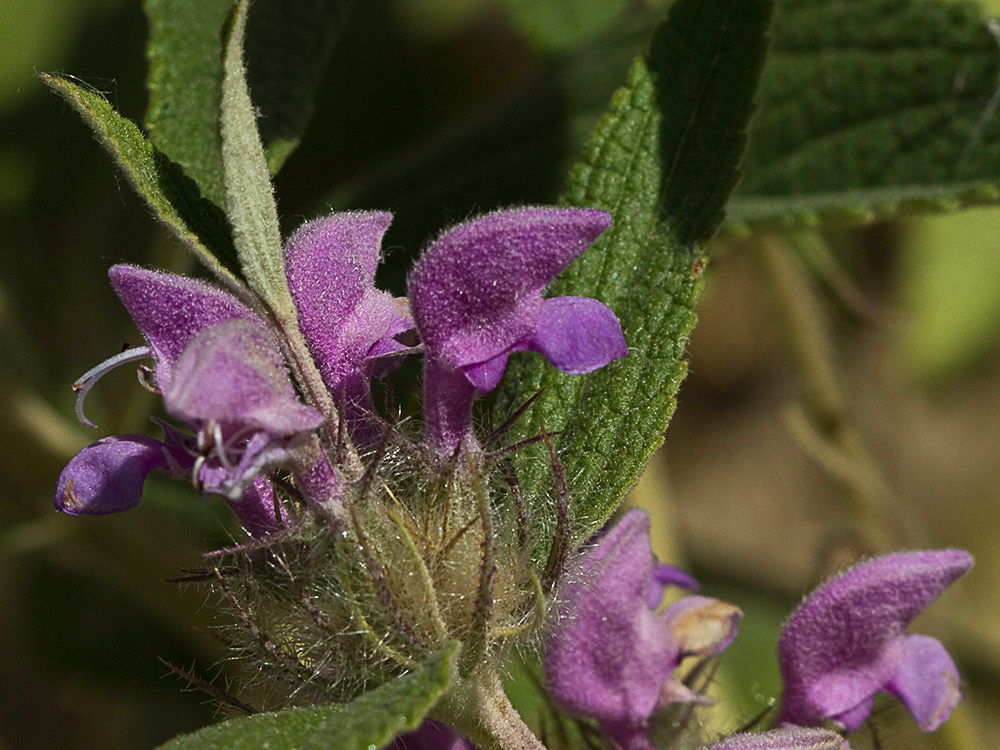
[(368, 551), (476, 297)]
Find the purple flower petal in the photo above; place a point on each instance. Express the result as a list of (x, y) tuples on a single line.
[(477, 291), (664, 575), (231, 387), (476, 297), (345, 320), (171, 310), (577, 335), (787, 738), (612, 655), (232, 374), (847, 642), (257, 508), (107, 476), (926, 682)]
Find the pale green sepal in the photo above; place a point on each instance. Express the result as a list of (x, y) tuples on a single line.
[(250, 203), (372, 720), (662, 162), (174, 197)]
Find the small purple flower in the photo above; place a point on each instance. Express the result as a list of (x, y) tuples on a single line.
[(349, 325), (612, 655), (787, 738), (220, 371), (847, 641), (476, 297)]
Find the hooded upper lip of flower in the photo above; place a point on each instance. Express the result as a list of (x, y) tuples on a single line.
[(847, 641), (476, 296), (612, 655)]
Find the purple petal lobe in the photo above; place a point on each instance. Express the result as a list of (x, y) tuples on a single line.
[(927, 681), (610, 656), (577, 335), (847, 642), (107, 476), (257, 508), (345, 320), (171, 310), (788, 738), (233, 374), (485, 376)]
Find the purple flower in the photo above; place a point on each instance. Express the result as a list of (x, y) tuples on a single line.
[(612, 655), (847, 641), (787, 738), (221, 372), (349, 325), (476, 297)]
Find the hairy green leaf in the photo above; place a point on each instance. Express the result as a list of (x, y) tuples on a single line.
[(873, 107), (288, 42), (662, 162), (185, 71), (250, 204), (371, 720), (174, 197)]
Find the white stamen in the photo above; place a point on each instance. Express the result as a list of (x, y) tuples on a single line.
[(87, 381)]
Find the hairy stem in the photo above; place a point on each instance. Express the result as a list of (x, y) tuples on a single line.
[(479, 709)]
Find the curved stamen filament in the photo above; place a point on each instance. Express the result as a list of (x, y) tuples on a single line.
[(87, 381)]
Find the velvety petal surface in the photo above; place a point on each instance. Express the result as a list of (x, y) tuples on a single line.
[(788, 738), (257, 508), (345, 320), (232, 373), (609, 657), (477, 291), (847, 640), (107, 476), (577, 335), (171, 310), (926, 682)]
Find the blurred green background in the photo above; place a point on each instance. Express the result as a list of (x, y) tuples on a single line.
[(738, 494)]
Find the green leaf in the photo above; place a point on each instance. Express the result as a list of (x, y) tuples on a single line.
[(185, 74), (288, 42), (371, 720), (662, 162), (250, 204), (172, 195), (870, 108), (558, 25)]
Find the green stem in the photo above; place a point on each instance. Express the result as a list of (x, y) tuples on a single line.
[(479, 709), (824, 427)]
